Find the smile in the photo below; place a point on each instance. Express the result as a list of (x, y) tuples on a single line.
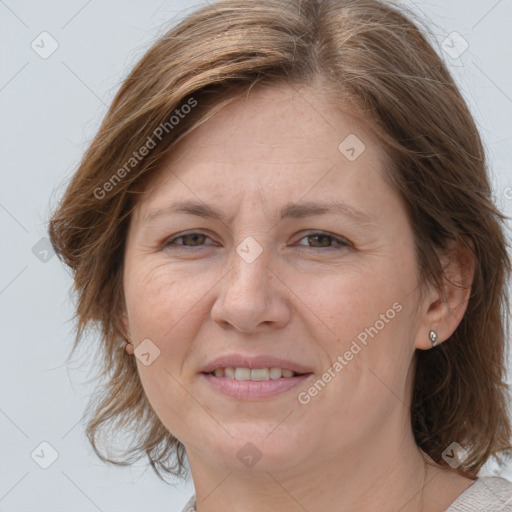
[(255, 383), (254, 374)]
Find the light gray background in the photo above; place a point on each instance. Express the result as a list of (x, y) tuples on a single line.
[(50, 110)]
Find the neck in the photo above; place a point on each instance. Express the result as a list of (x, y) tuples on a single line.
[(383, 474)]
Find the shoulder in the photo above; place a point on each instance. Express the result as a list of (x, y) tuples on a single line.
[(190, 506), (486, 494)]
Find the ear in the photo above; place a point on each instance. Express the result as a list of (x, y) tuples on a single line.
[(443, 309)]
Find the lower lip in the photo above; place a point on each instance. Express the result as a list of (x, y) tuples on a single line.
[(252, 390)]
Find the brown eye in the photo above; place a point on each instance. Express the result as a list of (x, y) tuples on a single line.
[(193, 238), (188, 240), (321, 240)]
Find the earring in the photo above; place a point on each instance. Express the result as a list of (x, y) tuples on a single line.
[(433, 338), (129, 348)]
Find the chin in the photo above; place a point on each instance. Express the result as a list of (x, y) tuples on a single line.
[(259, 449)]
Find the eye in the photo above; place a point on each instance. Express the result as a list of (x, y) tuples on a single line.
[(192, 239), (323, 241)]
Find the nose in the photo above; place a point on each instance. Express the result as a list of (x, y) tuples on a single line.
[(251, 297)]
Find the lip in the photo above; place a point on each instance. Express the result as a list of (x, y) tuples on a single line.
[(261, 361), (253, 390)]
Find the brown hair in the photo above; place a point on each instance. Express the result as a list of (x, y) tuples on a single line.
[(366, 54)]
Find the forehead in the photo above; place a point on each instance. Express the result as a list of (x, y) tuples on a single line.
[(276, 143), (286, 122)]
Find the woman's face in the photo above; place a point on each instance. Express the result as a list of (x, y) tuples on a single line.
[(280, 279)]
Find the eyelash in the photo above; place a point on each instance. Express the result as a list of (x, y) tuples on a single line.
[(342, 243)]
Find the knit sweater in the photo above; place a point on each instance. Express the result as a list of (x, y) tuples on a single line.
[(485, 494)]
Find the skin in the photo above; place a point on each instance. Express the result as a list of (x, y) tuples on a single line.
[(304, 298)]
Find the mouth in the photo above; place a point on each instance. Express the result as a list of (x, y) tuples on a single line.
[(254, 374), (243, 383)]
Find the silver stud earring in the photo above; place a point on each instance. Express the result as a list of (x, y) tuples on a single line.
[(433, 338)]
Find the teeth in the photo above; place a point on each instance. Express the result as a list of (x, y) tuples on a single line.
[(254, 374), (242, 374), (260, 374), (275, 373)]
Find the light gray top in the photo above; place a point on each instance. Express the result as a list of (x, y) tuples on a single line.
[(485, 494)]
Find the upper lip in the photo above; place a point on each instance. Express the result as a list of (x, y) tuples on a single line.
[(261, 361)]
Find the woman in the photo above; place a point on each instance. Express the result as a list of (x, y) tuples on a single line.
[(286, 221)]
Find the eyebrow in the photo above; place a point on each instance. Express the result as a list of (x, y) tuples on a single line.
[(289, 211)]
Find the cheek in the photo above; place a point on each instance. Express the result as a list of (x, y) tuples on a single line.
[(366, 321), (159, 309), (347, 303), (156, 301), (366, 317)]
